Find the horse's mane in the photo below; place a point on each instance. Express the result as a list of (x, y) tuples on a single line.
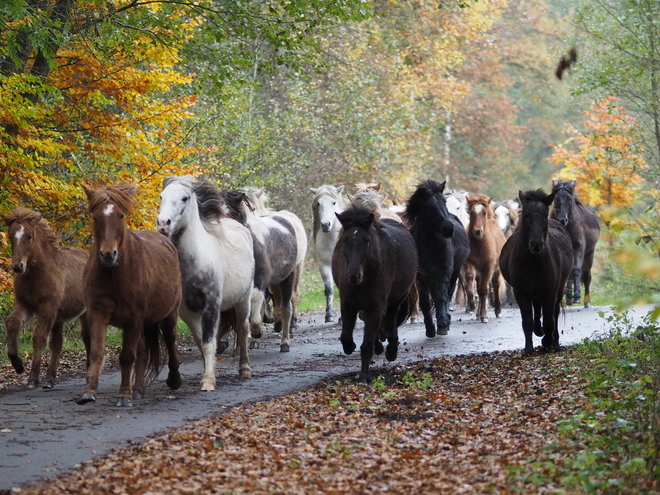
[(536, 195), (22, 214), (484, 200), (322, 190), (236, 203), (123, 194), (369, 199), (359, 213), (414, 206), (209, 202)]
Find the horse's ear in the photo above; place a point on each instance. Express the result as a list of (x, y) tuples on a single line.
[(340, 189), (521, 196), (549, 199), (168, 180), (88, 192), (572, 184), (442, 186), (377, 186), (314, 189)]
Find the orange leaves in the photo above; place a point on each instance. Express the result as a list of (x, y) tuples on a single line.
[(605, 157)]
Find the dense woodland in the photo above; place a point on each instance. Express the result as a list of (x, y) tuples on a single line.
[(288, 95)]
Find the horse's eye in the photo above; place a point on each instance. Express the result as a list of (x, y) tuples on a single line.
[(29, 237), (121, 217), (185, 198), (334, 203)]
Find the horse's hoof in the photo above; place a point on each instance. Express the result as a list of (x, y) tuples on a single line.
[(378, 348), (222, 346), (587, 305), (48, 385), (268, 319), (277, 328), (330, 319), (207, 387), (390, 354), (349, 347), (538, 331), (137, 395), (498, 315), (245, 374), (414, 320), (484, 319), (443, 331), (285, 348), (174, 380), (32, 384), (86, 397), (17, 363), (254, 344), (256, 335), (528, 352), (124, 402), (430, 332)]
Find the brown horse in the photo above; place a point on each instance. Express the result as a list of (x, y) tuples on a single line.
[(48, 284), (132, 281), (486, 241)]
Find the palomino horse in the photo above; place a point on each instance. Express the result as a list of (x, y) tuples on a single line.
[(583, 227), (131, 281), (217, 267), (258, 199), (328, 200), (536, 260), (369, 196), (276, 254), (48, 284), (486, 241), (374, 266), (442, 248)]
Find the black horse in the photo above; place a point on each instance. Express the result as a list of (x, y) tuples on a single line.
[(374, 266), (442, 247), (536, 260), (583, 227)]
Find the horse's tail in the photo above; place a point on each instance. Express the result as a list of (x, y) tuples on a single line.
[(408, 305), (227, 323), (155, 347)]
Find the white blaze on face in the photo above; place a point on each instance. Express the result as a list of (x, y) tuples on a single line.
[(19, 234), (478, 208), (107, 211)]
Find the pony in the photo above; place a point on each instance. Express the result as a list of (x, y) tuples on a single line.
[(374, 265), (258, 199), (369, 196), (506, 213), (442, 248), (48, 285), (583, 227), (486, 241), (276, 251), (216, 257), (131, 281), (327, 201), (457, 204), (536, 260)]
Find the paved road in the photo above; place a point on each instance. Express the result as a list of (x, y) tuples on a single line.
[(44, 433)]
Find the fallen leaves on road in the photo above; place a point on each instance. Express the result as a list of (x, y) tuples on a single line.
[(454, 425)]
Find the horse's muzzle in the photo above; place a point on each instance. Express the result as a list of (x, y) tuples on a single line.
[(164, 226), (355, 278), (325, 227), (478, 233), (536, 247), (109, 259), (18, 267), (563, 221)]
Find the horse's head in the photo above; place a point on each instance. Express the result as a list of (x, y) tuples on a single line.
[(429, 200), (457, 204), (237, 205), (534, 218), (28, 234), (108, 207), (176, 199), (357, 239), (481, 211), (327, 201), (563, 192)]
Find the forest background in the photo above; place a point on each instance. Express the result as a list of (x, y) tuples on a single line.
[(288, 95)]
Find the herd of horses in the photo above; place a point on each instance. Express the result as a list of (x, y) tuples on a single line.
[(218, 257)]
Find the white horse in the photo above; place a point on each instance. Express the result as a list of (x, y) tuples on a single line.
[(217, 267), (327, 202), (457, 204), (506, 214), (258, 199)]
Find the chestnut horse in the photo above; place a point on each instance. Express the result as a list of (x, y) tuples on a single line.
[(583, 227), (47, 284), (536, 260), (481, 266), (132, 281), (374, 265)]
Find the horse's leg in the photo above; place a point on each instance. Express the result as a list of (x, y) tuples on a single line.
[(56, 341), (98, 324), (527, 315), (169, 336), (483, 279), (348, 319), (391, 329), (586, 276), (441, 297), (286, 293), (15, 322), (145, 342), (371, 324), (425, 306), (550, 338), (210, 323), (46, 320), (295, 298), (470, 276), (132, 349), (329, 290), (242, 310), (538, 312), (84, 334), (497, 282), (256, 319)]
